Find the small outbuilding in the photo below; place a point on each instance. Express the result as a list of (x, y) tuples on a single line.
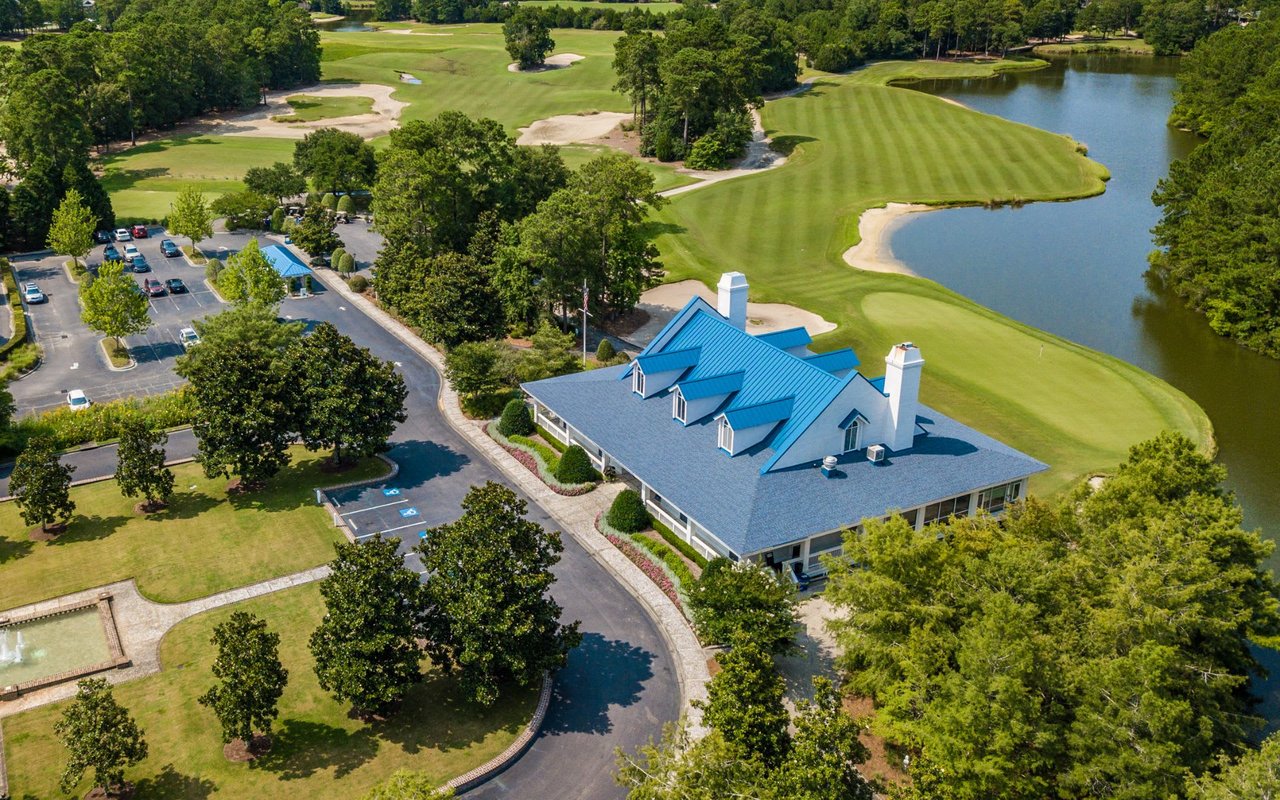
[(296, 274)]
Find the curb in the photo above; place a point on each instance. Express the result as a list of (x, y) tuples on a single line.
[(687, 656), (500, 762), (338, 521), (102, 345)]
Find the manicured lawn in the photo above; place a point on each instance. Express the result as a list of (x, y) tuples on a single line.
[(664, 177), (1133, 46), (859, 143), (318, 750), (204, 543), (144, 181), (309, 108)]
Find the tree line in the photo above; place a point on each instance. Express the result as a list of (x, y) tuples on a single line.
[(1219, 231), (141, 66)]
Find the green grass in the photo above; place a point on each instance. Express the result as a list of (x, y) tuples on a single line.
[(309, 108), (858, 143), (1125, 46), (118, 356), (145, 180), (181, 553), (664, 177), (318, 750)]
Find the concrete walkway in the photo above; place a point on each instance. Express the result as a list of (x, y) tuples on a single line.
[(576, 515), (141, 625)]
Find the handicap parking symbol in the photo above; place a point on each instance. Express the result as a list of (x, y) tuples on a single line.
[(422, 534), (409, 512), (390, 492)]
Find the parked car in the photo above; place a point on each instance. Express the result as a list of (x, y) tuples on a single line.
[(110, 253), (130, 251), (32, 294), (140, 232), (123, 235), (188, 337), (139, 264), (176, 286), (102, 237), (169, 249), (154, 287), (137, 287), (78, 400)]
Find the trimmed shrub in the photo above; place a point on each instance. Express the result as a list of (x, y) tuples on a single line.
[(19, 317), (347, 264), (605, 352), (628, 513), (516, 420), (330, 201), (551, 439), (336, 256), (312, 197), (575, 466), (686, 549), (212, 269), (485, 406), (346, 204), (359, 283), (277, 220)]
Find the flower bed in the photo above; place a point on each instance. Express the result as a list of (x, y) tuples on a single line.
[(535, 463), (662, 575)]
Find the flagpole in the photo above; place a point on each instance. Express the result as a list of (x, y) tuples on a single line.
[(584, 323)]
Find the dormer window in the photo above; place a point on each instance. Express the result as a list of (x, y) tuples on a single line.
[(637, 381), (726, 436), (852, 437), (679, 409)]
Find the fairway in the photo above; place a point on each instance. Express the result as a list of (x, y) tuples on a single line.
[(859, 143), (308, 108), (318, 750), (182, 553)]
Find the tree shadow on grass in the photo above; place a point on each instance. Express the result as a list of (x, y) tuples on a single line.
[(601, 673), (121, 179), (173, 785), (654, 228), (84, 528), (14, 549), (436, 716), (786, 145), (185, 505), (300, 748)]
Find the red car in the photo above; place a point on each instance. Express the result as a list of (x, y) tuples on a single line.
[(139, 231), (153, 287)]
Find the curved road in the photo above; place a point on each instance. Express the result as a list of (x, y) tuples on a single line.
[(618, 687)]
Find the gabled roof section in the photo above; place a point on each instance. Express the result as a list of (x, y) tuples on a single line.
[(853, 417), (286, 264), (835, 361), (787, 339), (711, 387), (744, 417), (669, 360)]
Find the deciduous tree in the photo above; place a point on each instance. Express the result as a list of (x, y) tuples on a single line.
[(140, 468), (335, 161), (100, 736), (280, 180), (40, 484), (351, 401), (315, 233), (744, 703), (458, 303), (249, 279), (189, 216), (365, 649), (72, 226), (113, 304), (251, 678), (528, 40), (472, 368), (489, 612)]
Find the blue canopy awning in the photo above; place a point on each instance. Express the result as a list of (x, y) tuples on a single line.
[(285, 262)]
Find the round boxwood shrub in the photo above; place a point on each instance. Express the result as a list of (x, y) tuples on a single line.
[(212, 268), (359, 283), (515, 419), (330, 201), (628, 514), (605, 351), (346, 204), (347, 265), (575, 466), (277, 220)]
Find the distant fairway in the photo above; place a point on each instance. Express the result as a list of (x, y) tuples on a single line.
[(309, 108), (857, 144)]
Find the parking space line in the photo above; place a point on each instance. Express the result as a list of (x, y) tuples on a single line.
[(402, 527), (371, 508)]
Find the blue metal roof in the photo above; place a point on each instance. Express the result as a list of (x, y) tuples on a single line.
[(669, 360), (742, 418), (878, 383), (712, 386), (285, 262), (752, 511), (835, 361), (787, 339)]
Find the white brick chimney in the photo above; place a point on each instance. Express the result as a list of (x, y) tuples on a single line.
[(902, 384), (732, 299)]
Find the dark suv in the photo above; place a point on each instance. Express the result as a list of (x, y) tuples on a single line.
[(139, 264), (154, 287), (169, 249)]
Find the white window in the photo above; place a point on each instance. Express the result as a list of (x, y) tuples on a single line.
[(726, 435), (637, 381), (851, 437), (678, 405), (997, 498)]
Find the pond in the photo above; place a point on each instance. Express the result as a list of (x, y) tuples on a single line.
[(1077, 269)]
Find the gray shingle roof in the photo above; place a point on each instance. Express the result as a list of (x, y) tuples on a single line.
[(750, 511)]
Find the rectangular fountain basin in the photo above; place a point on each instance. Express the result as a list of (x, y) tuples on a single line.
[(59, 646)]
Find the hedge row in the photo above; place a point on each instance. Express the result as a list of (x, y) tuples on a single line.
[(19, 318), (103, 422), (555, 443), (536, 462), (680, 544)]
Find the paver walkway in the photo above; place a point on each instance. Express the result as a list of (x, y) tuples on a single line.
[(576, 515)]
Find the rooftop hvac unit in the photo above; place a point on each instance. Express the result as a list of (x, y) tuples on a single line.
[(875, 453)]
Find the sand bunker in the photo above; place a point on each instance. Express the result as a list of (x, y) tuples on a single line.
[(876, 228), (571, 128), (383, 117), (558, 61), (662, 303)]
